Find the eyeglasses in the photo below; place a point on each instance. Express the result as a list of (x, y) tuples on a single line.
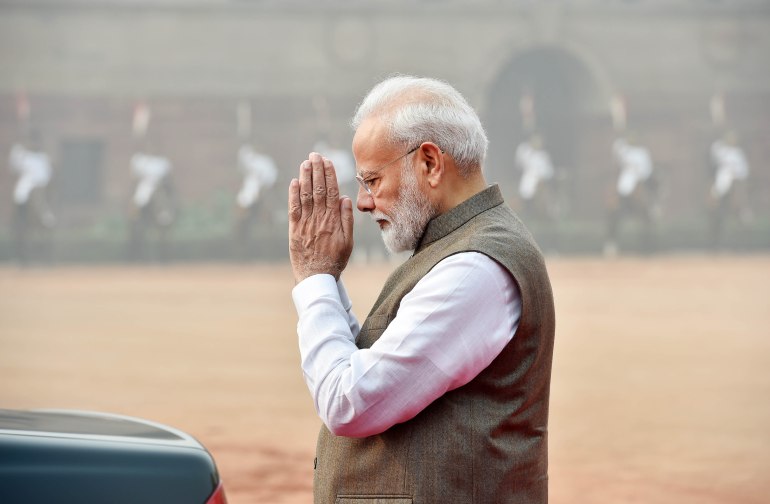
[(365, 181)]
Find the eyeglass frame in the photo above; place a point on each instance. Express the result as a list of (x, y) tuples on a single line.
[(364, 182)]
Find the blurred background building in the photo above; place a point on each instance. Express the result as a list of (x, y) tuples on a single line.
[(194, 80)]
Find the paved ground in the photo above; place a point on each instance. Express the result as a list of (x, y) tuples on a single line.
[(660, 387)]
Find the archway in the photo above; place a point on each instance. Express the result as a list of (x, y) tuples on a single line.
[(569, 110)]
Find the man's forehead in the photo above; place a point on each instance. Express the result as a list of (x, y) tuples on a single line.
[(371, 130), (370, 142)]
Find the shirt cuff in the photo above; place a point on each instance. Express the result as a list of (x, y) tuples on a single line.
[(347, 304), (309, 289)]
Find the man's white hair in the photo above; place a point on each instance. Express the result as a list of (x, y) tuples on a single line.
[(418, 109)]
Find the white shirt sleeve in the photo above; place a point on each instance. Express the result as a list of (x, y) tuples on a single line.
[(450, 327), (347, 304)]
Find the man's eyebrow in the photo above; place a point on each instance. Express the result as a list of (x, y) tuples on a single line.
[(366, 173)]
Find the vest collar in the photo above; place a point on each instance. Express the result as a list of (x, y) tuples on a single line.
[(448, 222)]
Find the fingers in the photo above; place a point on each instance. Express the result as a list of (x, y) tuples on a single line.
[(346, 214), (318, 184), (306, 187), (316, 187), (319, 179), (332, 189), (295, 207), (320, 222)]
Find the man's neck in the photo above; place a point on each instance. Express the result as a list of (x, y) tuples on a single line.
[(460, 189)]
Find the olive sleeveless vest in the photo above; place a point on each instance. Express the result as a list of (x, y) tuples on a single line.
[(485, 442)]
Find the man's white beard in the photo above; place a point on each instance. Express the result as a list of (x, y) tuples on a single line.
[(410, 215)]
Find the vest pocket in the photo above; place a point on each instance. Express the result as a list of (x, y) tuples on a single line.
[(373, 499)]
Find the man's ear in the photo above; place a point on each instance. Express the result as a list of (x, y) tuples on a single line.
[(432, 163)]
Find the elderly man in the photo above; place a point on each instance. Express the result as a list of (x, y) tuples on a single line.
[(442, 394)]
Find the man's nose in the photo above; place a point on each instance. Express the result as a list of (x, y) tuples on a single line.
[(364, 200)]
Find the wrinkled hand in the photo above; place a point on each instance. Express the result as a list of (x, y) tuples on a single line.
[(320, 221)]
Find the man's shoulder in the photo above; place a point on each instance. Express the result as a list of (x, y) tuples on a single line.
[(493, 232)]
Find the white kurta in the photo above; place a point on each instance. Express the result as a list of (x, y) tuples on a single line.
[(449, 328)]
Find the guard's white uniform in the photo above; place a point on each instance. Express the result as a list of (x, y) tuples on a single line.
[(150, 170), (34, 170), (731, 166), (635, 165), (259, 172), (536, 166)]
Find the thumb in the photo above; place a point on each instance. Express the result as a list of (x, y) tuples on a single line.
[(346, 214)]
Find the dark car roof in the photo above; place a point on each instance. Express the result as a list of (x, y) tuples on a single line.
[(94, 458), (84, 424)]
